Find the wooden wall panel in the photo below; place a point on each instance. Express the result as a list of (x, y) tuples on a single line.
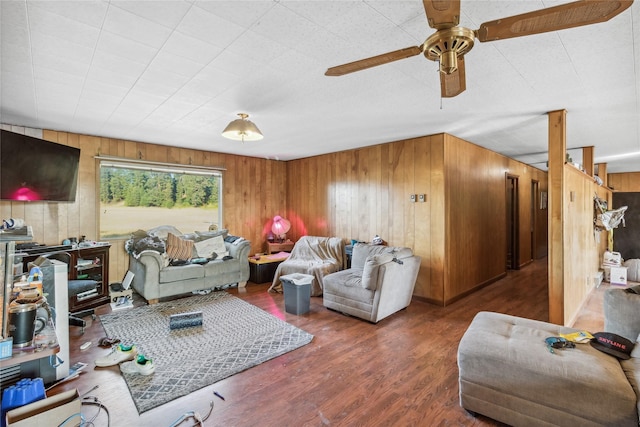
[(367, 193), (354, 194), (626, 182), (582, 252), (475, 216), (253, 192)]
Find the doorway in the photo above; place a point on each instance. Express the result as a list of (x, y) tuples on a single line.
[(513, 237), (534, 218)]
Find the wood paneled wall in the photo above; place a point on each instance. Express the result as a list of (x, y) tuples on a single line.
[(626, 182), (583, 247), (476, 215), (459, 231), (254, 192)]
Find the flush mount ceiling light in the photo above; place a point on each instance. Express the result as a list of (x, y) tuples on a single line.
[(242, 130)]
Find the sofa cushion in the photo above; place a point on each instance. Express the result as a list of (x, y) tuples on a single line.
[(203, 235), (181, 273), (371, 268), (507, 373), (178, 248), (163, 231), (631, 369), (215, 245), (622, 313)]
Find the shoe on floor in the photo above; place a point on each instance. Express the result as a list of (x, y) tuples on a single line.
[(119, 353), (141, 365), (108, 342)]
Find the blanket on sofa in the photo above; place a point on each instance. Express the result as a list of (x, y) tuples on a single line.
[(317, 256)]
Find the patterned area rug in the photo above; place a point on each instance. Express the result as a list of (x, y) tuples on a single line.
[(235, 336)]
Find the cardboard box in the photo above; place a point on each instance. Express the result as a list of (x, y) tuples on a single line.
[(51, 411), (616, 275)]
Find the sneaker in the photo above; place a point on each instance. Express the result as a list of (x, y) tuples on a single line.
[(119, 353), (141, 365)]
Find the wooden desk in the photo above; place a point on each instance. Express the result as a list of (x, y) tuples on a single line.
[(273, 247), (45, 345)]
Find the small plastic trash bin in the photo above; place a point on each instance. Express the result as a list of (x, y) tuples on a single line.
[(297, 292)]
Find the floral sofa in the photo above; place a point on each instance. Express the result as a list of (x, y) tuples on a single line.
[(167, 263)]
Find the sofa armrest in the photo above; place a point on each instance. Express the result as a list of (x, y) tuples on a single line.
[(146, 268), (396, 283), (239, 251)]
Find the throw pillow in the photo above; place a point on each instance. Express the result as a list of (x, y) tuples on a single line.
[(203, 235), (370, 271), (215, 245), (178, 248)]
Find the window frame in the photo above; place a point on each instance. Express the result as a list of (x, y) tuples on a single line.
[(159, 167)]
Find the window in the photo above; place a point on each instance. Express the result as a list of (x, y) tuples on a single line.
[(136, 195)]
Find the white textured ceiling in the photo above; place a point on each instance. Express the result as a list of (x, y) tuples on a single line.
[(176, 72)]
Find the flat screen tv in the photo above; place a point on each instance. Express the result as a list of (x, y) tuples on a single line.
[(32, 169)]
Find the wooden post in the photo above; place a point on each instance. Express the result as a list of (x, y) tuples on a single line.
[(602, 173), (557, 155), (587, 160)]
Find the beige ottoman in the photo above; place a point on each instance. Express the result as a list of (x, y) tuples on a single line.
[(507, 373)]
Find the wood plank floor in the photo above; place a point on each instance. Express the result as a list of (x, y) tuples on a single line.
[(401, 371)]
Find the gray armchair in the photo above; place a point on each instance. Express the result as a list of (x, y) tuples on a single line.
[(379, 283)]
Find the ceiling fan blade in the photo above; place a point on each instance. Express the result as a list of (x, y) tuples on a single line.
[(374, 61), (554, 18), (455, 83), (442, 13)]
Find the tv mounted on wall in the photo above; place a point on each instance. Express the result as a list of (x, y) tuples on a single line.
[(32, 169)]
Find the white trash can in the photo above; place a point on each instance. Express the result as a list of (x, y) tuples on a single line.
[(297, 292)]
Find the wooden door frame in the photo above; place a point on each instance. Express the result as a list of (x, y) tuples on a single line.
[(512, 217), (535, 200)]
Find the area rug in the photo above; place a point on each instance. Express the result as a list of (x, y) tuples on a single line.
[(234, 336)]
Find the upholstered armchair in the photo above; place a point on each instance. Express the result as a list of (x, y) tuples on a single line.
[(379, 283), (317, 256)]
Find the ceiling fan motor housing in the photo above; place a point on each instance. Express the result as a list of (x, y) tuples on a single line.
[(446, 45)]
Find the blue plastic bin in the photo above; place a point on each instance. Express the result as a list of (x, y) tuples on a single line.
[(21, 393)]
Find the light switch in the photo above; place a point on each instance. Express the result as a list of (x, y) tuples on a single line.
[(422, 198), (412, 198)]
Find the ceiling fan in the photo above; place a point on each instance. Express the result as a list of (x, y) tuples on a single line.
[(450, 43)]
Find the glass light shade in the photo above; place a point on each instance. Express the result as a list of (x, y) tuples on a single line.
[(280, 226), (242, 130)]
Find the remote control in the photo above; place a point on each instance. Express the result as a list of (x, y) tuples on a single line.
[(85, 345)]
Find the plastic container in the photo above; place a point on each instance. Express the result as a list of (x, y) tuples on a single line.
[(21, 393), (297, 292)]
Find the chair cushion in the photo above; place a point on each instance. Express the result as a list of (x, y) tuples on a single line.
[(79, 286), (362, 250), (371, 267)]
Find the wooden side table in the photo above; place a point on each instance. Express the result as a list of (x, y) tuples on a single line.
[(263, 269), (279, 247)]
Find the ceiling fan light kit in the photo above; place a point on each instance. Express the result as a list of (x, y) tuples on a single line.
[(450, 42), (447, 45), (242, 129)]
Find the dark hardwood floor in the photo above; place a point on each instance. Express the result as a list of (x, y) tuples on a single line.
[(401, 371)]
